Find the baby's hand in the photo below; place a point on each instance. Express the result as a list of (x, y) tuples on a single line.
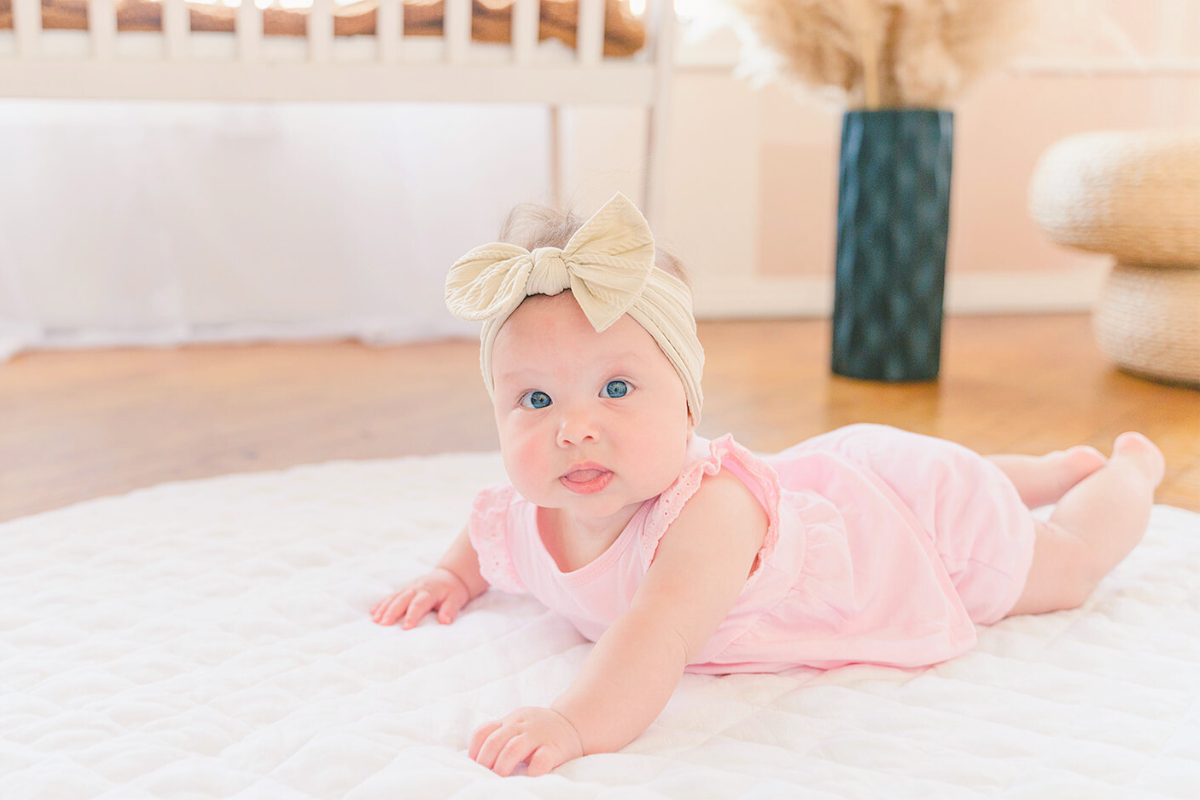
[(540, 736), (440, 589)]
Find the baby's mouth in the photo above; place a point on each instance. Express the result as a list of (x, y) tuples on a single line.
[(584, 475), (586, 481)]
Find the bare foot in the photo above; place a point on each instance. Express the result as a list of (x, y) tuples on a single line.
[(1072, 466), (1082, 460), (1143, 453)]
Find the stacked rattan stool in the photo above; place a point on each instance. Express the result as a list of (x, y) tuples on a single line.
[(1135, 196)]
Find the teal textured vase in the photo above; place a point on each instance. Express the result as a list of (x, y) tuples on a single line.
[(892, 225)]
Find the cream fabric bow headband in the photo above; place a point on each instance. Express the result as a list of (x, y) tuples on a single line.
[(609, 267)]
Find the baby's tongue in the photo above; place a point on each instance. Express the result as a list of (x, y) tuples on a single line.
[(585, 475)]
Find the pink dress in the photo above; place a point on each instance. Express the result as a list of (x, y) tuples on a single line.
[(883, 547)]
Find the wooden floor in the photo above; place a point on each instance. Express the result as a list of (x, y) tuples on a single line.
[(82, 424)]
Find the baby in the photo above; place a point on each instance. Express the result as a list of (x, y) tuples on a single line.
[(674, 553)]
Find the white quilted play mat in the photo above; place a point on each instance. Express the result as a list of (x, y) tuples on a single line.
[(211, 639)]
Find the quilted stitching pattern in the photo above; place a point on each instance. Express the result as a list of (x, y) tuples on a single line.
[(211, 640)]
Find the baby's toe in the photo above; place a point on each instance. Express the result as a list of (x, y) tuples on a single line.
[(1085, 460), (1143, 452)]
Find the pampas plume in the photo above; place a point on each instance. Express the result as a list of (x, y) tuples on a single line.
[(883, 53)]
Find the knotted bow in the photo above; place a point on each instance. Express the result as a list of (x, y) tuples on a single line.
[(608, 264), (605, 265)]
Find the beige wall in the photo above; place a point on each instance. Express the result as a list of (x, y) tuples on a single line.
[(1000, 131), (751, 189)]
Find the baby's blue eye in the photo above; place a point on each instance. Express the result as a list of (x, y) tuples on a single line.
[(535, 400), (616, 389)]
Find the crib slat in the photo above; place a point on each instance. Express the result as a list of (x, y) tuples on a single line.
[(589, 42), (389, 30), (226, 79), (320, 31), (249, 27), (27, 26), (525, 30), (176, 25), (662, 32), (457, 30), (102, 23)]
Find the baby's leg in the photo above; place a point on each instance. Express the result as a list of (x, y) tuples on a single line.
[(1093, 527), (1042, 480)]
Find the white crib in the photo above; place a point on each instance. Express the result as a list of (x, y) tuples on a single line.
[(178, 63)]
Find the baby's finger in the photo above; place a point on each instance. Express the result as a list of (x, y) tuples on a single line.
[(422, 603), (378, 608), (513, 753), (382, 603), (492, 746), (397, 604), (543, 760), (450, 607), (480, 736)]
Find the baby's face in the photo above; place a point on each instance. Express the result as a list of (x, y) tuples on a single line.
[(591, 423)]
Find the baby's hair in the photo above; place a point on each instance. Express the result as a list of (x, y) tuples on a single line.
[(532, 225)]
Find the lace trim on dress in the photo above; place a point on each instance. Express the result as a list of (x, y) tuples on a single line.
[(488, 531), (671, 502)]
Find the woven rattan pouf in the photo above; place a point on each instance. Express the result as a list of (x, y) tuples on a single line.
[(1136, 196)]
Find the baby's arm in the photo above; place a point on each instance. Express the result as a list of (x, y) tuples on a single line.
[(454, 582), (699, 570)]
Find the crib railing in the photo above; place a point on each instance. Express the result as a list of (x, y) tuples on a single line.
[(177, 63), (180, 64)]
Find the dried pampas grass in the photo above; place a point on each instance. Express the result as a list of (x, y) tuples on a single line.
[(883, 53)]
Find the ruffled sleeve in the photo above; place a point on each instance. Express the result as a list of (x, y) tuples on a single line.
[(488, 531), (759, 477)]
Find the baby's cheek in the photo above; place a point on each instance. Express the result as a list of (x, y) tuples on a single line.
[(666, 450), (527, 464)]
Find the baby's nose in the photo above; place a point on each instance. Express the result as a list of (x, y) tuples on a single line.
[(576, 427)]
